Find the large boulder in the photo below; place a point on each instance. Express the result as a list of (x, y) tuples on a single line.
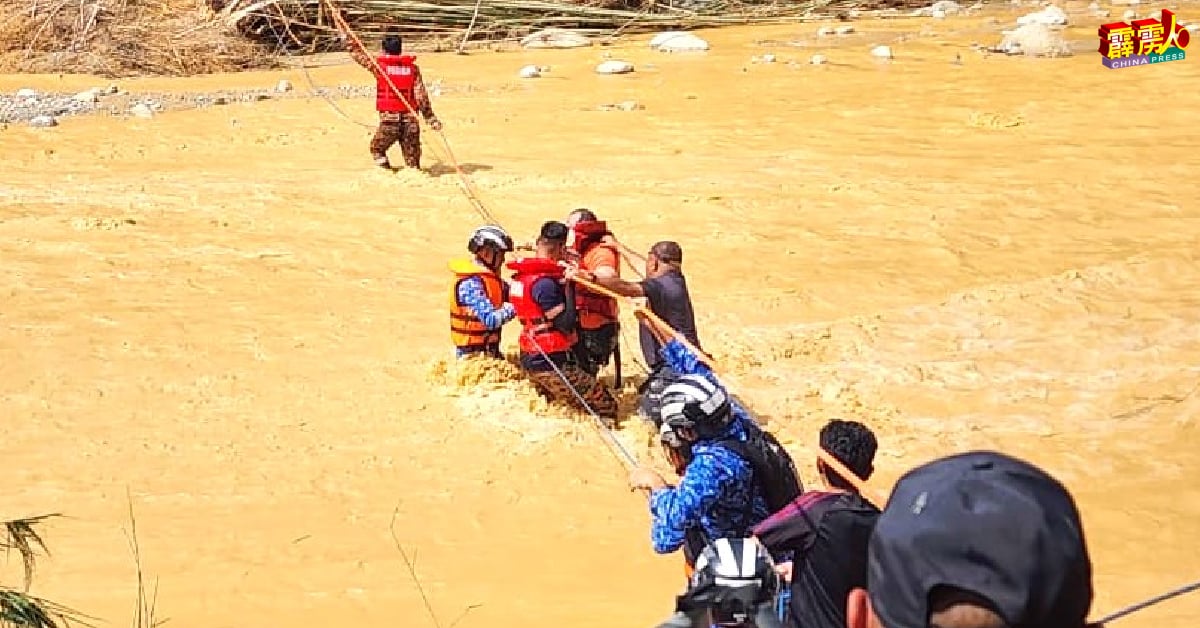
[(1035, 40), (678, 41), (1049, 16), (555, 38)]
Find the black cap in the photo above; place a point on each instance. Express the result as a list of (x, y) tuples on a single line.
[(554, 231), (985, 523)]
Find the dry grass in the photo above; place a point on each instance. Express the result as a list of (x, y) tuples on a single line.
[(121, 38), (185, 37), (17, 607)]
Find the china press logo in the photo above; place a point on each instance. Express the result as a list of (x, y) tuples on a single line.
[(1142, 42)]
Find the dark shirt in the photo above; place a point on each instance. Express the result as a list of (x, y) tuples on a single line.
[(669, 299), (826, 536), (549, 294)]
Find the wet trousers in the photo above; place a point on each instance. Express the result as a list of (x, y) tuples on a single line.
[(598, 397), (596, 347), (404, 129)]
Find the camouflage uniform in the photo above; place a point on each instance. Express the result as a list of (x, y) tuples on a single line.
[(598, 397), (398, 127)]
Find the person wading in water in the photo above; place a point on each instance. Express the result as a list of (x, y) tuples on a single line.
[(397, 112), (666, 292), (598, 324), (546, 308)]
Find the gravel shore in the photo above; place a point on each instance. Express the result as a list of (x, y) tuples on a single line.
[(40, 108)]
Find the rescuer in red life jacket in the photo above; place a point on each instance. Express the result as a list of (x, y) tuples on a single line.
[(545, 305), (598, 255), (397, 112)]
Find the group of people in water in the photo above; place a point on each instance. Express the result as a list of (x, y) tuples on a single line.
[(564, 295), (976, 540)]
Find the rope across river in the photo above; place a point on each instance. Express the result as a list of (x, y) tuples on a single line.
[(656, 324)]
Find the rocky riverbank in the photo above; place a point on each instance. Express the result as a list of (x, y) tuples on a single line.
[(29, 106)]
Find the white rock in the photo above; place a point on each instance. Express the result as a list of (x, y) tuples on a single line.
[(768, 58), (283, 85), (1050, 16), (881, 52), (142, 111), (27, 93), (43, 122), (555, 38), (947, 7), (1129, 14), (614, 67), (938, 14), (88, 96), (530, 71), (1036, 40), (629, 105), (818, 60), (845, 30), (826, 31), (1094, 6), (677, 41)]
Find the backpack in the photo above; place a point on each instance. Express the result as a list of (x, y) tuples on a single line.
[(774, 470)]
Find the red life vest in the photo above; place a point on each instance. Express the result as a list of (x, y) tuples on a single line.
[(537, 331), (595, 310), (403, 74)]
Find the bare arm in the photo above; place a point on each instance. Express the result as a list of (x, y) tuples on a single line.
[(619, 286)]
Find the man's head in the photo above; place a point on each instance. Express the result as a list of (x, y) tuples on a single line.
[(552, 240), (664, 257), (489, 244), (977, 540), (392, 44), (692, 408), (852, 444), (579, 215)]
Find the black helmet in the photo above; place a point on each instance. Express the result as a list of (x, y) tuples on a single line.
[(694, 402), (490, 234), (734, 584)]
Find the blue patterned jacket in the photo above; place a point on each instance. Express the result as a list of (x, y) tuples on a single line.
[(718, 495)]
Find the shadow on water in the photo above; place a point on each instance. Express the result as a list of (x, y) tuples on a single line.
[(442, 169)]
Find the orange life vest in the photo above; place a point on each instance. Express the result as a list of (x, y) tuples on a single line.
[(403, 74), (537, 331), (466, 330), (595, 310)]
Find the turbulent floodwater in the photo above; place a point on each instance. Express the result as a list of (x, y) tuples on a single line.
[(229, 312)]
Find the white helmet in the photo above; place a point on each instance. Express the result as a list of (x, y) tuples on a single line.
[(694, 402), (490, 234)]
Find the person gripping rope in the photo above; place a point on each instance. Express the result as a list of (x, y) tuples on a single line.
[(397, 115), (718, 495), (599, 327), (734, 586), (545, 305), (820, 538), (478, 308), (666, 292)]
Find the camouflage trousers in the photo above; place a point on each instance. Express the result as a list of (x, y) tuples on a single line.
[(404, 129), (598, 397)]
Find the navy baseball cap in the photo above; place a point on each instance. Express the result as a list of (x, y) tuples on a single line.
[(988, 524)]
